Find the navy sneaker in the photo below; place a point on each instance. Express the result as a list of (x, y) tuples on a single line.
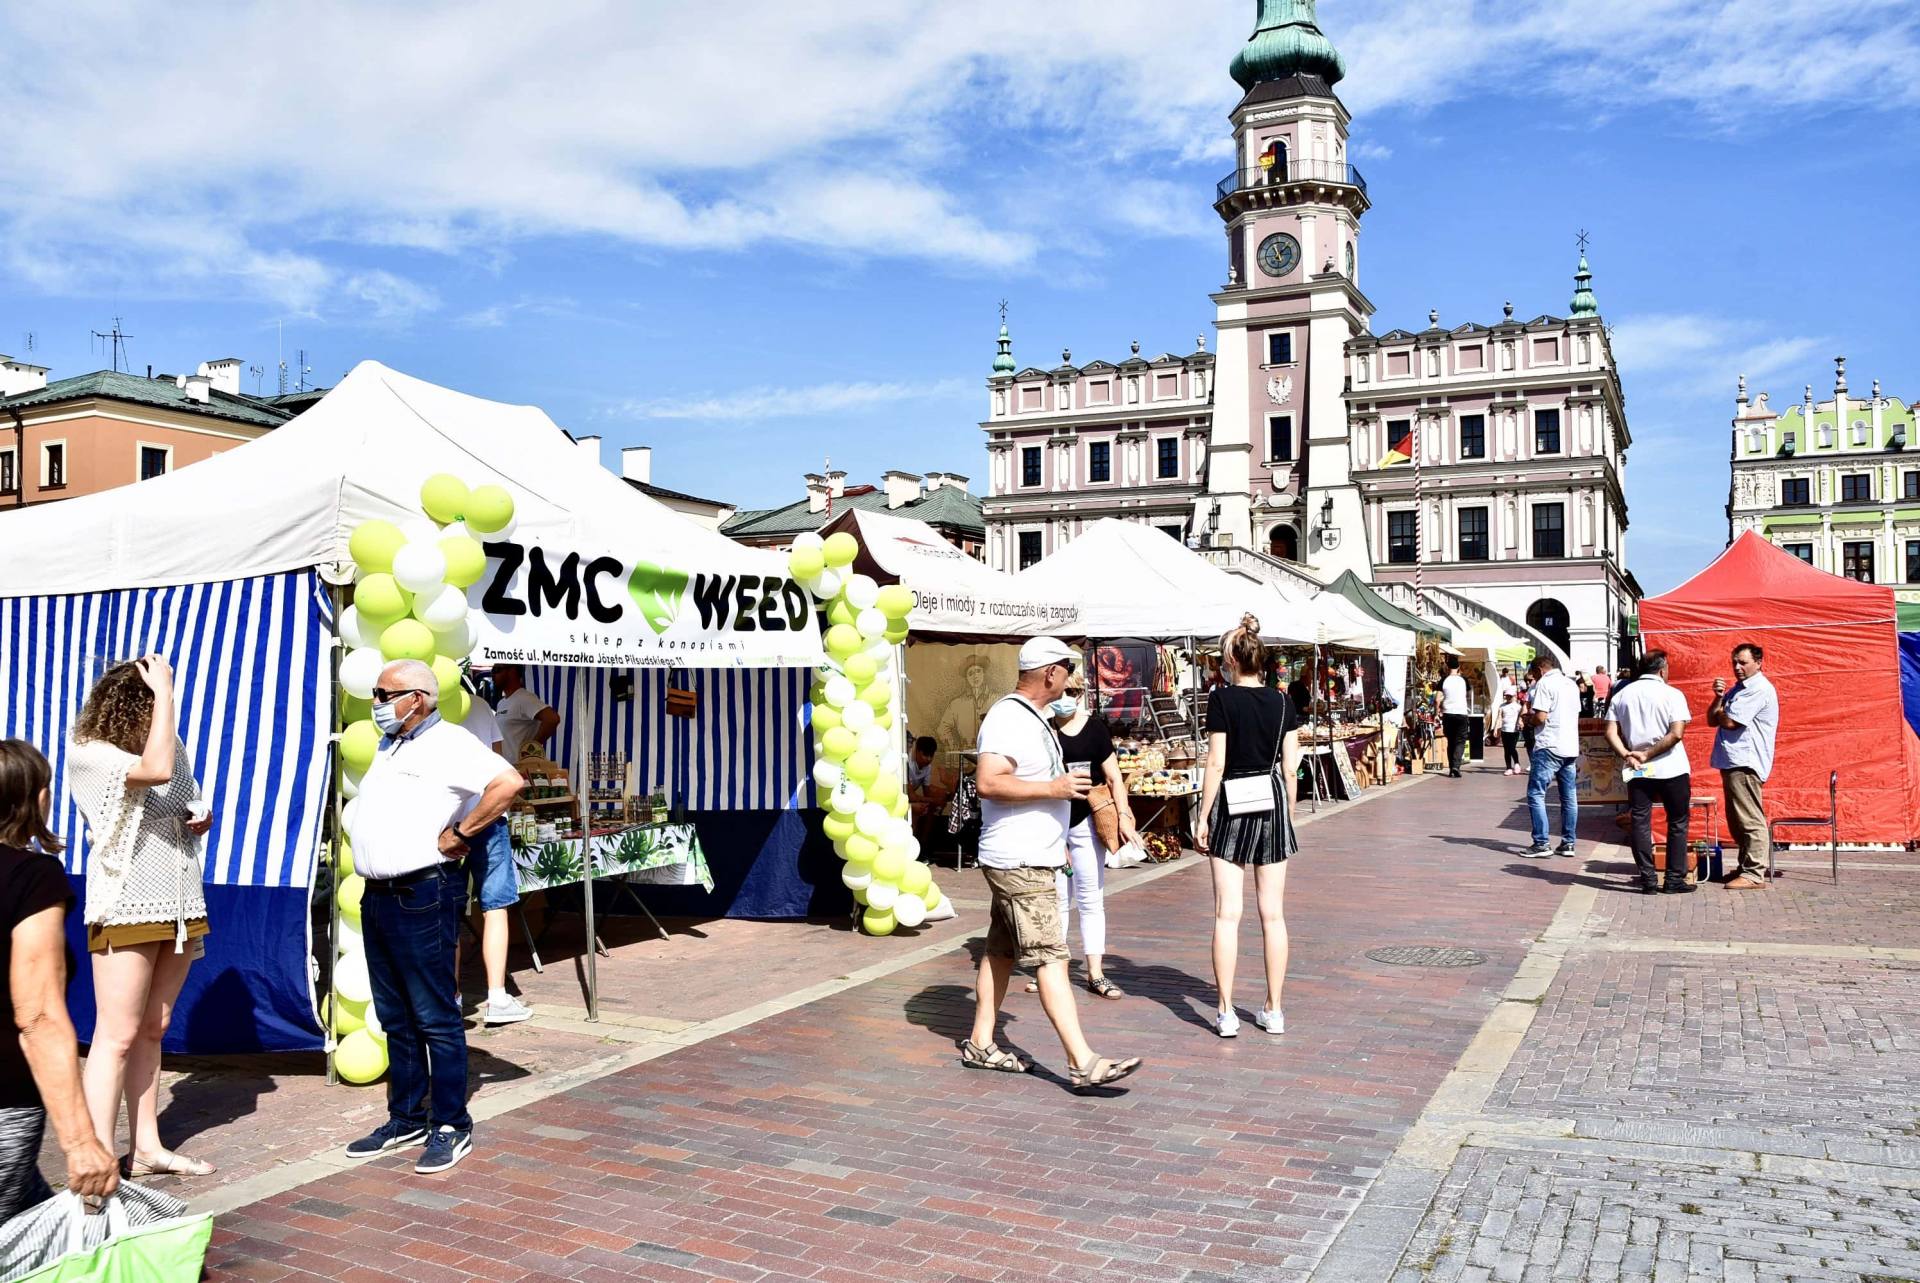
[(444, 1148), (391, 1134)]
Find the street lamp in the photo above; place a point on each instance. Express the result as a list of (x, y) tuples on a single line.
[(1329, 536)]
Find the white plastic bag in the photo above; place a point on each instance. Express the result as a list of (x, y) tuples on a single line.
[(1126, 856)]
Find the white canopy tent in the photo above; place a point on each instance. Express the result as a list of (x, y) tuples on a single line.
[(1137, 582), (1321, 619), (954, 594)]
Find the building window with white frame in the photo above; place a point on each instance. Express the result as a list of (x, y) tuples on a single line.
[(1167, 460), (1403, 537), (1030, 465), (1856, 487), (1546, 432), (1473, 436), (1280, 348), (1796, 492), (9, 479), (53, 465), (1804, 551), (1280, 438), (1175, 532), (1549, 530), (1474, 545), (155, 461), (1029, 548), (1913, 561), (1856, 560), (1100, 461), (1910, 485)]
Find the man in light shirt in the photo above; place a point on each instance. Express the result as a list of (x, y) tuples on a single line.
[(524, 718), (1646, 726), (1555, 715), (1744, 721), (430, 792), (1026, 792), (1453, 715)]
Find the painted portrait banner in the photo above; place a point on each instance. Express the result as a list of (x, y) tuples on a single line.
[(951, 687), (636, 609)]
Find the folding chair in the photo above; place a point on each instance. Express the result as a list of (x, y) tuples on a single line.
[(1830, 822)]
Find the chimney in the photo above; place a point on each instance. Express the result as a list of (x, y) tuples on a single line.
[(836, 483), (17, 377), (636, 463), (817, 491), (951, 480), (197, 387), (590, 447), (224, 374), (902, 488)]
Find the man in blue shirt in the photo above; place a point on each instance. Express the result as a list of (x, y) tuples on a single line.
[(1745, 719)]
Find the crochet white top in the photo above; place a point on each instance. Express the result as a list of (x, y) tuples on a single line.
[(145, 865)]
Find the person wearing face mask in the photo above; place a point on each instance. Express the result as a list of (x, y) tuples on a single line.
[(432, 790), (1086, 742)]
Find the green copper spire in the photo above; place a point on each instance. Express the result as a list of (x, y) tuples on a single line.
[(1286, 41), (1584, 303), (1003, 363)]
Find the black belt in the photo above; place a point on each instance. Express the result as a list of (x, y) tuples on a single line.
[(408, 879)]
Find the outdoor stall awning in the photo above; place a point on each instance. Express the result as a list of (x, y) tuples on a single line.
[(1349, 586), (1135, 581), (1322, 619), (955, 594)]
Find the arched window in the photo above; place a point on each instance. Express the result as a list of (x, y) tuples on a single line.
[(1548, 617), (1284, 542)]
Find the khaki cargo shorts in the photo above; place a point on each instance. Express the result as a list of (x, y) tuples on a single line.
[(1024, 923)]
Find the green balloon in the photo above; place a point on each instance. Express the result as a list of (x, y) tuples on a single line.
[(408, 639), (884, 789), (358, 743), (840, 549), (879, 693), (381, 599), (804, 563), (861, 849), (838, 827), (841, 611), (889, 864), (372, 545), (466, 560), (896, 633), (843, 640), (863, 768), (839, 743), (360, 1058), (895, 601), (916, 878), (488, 508), (444, 497), (825, 716), (862, 668), (878, 922)]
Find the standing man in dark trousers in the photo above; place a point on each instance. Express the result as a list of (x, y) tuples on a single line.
[(1745, 719), (1453, 715), (1646, 725)]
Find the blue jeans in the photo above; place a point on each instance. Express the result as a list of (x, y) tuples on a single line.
[(491, 863), (410, 933), (1551, 766)]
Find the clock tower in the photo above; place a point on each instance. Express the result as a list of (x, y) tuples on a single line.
[(1279, 462)]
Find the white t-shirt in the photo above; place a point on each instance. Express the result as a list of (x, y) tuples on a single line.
[(1510, 716), (1453, 695), (1645, 709), (481, 723), (519, 717), (1506, 688), (1556, 696), (1023, 834), (416, 786)]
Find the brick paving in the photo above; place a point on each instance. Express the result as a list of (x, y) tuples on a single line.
[(841, 1140)]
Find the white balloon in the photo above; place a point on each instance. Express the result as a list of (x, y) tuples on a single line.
[(882, 895), (871, 819), (360, 669), (353, 632), (913, 845), (350, 979), (840, 693), (856, 716), (909, 910), (349, 785), (829, 669), (456, 641), (871, 623), (875, 740), (420, 567), (880, 648), (847, 798), (374, 1027), (346, 815), (349, 938), (421, 530), (898, 833), (442, 611), (825, 585), (862, 592), (856, 877), (807, 539), (454, 528), (827, 775)]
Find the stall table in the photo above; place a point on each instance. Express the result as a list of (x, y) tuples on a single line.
[(660, 852)]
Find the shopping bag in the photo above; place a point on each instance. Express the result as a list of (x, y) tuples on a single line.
[(140, 1237), (1126, 857)]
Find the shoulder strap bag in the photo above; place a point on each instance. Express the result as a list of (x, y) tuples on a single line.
[(1257, 794)]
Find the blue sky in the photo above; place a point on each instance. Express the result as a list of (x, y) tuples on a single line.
[(759, 235)]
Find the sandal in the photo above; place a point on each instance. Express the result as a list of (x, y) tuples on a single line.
[(1105, 987), (991, 1056), (1101, 1072), (133, 1166)]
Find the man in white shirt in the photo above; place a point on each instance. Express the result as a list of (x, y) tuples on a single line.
[(1025, 796), (431, 789), (497, 885), (1453, 715), (1555, 715), (525, 720), (1745, 720), (1646, 727)]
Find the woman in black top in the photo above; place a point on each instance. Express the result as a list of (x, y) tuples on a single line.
[(40, 1066), (1085, 738), (1252, 733)]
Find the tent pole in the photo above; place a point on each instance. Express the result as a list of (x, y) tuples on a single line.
[(580, 783), (335, 807)]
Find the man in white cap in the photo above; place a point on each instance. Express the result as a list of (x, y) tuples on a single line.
[(1025, 795)]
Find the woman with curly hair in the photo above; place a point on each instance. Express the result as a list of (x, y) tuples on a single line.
[(146, 912), (1253, 754)]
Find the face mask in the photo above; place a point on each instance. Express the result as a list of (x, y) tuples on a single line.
[(387, 717), (1065, 706)]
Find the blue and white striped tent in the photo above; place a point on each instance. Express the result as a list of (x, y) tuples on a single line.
[(220, 568)]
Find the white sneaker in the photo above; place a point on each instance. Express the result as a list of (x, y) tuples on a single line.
[(1226, 1024), (1274, 1022), (506, 1011)]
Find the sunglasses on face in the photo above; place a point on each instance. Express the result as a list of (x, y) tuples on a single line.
[(387, 697), (1068, 665)]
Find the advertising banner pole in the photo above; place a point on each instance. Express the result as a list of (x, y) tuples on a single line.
[(581, 783)]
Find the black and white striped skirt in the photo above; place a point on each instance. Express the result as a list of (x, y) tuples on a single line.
[(1263, 837), (21, 1186)]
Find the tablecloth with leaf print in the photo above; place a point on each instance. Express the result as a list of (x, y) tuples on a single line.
[(641, 849)]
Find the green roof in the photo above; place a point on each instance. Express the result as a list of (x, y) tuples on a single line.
[(945, 506), (115, 386), (1286, 41), (1348, 585)]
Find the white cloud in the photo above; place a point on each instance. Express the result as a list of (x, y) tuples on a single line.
[(788, 403), (1697, 355), (1368, 149)]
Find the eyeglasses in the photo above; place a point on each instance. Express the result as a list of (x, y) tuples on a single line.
[(1068, 663), (386, 696)]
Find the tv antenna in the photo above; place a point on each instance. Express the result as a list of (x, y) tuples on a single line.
[(30, 341), (117, 339), (283, 357), (304, 370), (258, 372)]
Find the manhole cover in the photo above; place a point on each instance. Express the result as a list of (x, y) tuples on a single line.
[(1425, 955)]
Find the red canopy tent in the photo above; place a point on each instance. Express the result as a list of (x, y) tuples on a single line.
[(1833, 654)]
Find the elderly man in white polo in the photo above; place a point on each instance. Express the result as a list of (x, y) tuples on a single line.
[(431, 789)]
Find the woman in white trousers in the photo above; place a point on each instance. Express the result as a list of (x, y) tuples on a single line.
[(1085, 741)]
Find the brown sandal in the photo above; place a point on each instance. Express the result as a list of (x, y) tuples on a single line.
[(992, 1056), (1105, 988), (1102, 1071), (135, 1167)]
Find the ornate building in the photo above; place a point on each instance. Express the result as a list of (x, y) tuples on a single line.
[(1834, 483), (1294, 448)]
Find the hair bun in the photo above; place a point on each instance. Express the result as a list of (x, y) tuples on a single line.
[(1250, 622)]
